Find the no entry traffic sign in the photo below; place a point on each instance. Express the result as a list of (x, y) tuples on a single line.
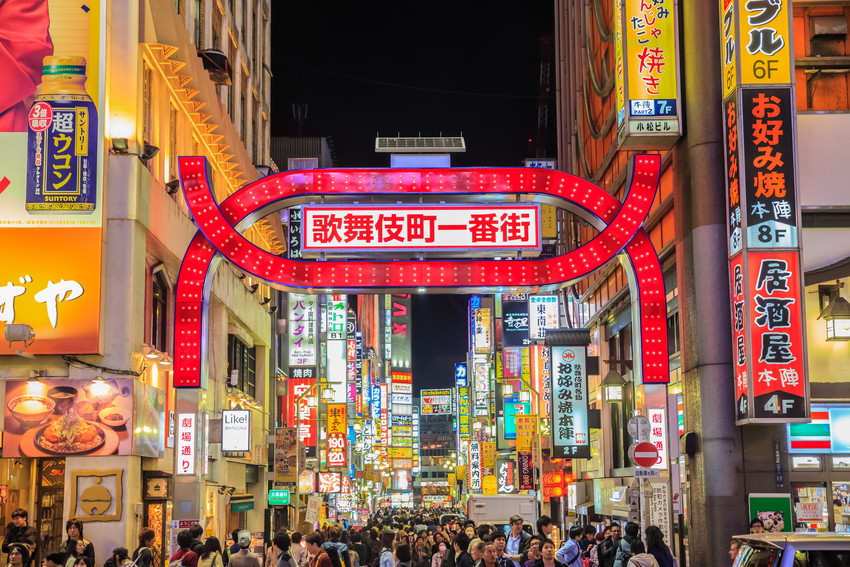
[(643, 454)]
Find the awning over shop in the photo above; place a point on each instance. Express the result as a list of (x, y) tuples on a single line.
[(241, 502)]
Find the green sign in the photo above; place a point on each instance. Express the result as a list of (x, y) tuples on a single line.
[(241, 505), (278, 498), (774, 510)]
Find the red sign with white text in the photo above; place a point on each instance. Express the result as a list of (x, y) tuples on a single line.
[(776, 344), (420, 227), (307, 413)]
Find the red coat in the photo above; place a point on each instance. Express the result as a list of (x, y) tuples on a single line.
[(24, 43)]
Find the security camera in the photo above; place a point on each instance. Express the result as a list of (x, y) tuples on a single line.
[(19, 332)]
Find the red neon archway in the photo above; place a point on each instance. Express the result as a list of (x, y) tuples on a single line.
[(217, 233)]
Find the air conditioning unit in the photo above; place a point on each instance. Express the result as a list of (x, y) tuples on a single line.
[(234, 377)]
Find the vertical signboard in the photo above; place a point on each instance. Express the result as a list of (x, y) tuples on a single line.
[(543, 312), (186, 454), (515, 320), (763, 213), (337, 450), (570, 428), (506, 476), (336, 314), (483, 325), (302, 330), (305, 412), (51, 191), (658, 435), (541, 377), (400, 332), (481, 387), (474, 465), (285, 447), (293, 248), (647, 71)]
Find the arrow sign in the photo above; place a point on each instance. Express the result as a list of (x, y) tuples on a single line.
[(643, 454)]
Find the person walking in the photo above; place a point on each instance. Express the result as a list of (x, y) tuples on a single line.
[(570, 552), (74, 550), (593, 554), (143, 556), (211, 555), (544, 527), (319, 557), (488, 556), (734, 549), (608, 548), (657, 548), (462, 557), (386, 555), (244, 557), (19, 554), (299, 554), (402, 555), (639, 557), (624, 546), (184, 554)]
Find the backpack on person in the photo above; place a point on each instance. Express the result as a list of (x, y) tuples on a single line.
[(621, 557), (353, 558), (333, 553)]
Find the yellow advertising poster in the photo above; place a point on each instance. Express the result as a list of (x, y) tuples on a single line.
[(650, 32), (489, 484), (401, 453), (526, 430), (764, 42), (51, 150), (336, 419), (488, 455)]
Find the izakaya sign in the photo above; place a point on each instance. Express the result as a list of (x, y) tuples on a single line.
[(220, 226), (763, 213)]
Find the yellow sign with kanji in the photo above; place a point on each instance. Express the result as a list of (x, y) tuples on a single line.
[(764, 42), (336, 419), (488, 456), (489, 484), (526, 430)]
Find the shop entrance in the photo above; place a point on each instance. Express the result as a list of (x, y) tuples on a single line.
[(51, 504)]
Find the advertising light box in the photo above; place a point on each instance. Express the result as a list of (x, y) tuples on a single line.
[(235, 430)]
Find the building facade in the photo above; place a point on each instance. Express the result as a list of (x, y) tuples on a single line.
[(166, 78), (721, 465)]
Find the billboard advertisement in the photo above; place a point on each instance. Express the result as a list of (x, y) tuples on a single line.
[(436, 402), (303, 330), (515, 320), (51, 153), (570, 427), (543, 312), (82, 418)]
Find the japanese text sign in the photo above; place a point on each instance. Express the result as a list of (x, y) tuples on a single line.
[(420, 227), (541, 376), (337, 317), (488, 457), (515, 321), (330, 482), (570, 427), (463, 412), (647, 73), (543, 311), (483, 337), (474, 465), (658, 435), (304, 414), (186, 431), (51, 190), (526, 430), (302, 330), (506, 476)]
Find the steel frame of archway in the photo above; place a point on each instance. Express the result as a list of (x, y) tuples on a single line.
[(220, 225)]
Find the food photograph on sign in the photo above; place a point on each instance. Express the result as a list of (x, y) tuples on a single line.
[(68, 417)]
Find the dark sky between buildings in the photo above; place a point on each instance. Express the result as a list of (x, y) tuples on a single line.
[(456, 67)]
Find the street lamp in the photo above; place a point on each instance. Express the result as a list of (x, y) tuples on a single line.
[(311, 400), (612, 386)]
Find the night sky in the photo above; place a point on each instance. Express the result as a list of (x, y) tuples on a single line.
[(459, 67)]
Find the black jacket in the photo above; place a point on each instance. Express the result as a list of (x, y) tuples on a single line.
[(463, 560), (26, 534)]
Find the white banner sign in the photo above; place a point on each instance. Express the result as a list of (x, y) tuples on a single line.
[(543, 314), (658, 435), (235, 430), (302, 330), (186, 432), (421, 227)]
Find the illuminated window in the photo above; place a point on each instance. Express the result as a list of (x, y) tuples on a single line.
[(159, 311)]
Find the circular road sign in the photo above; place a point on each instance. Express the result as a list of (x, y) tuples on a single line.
[(643, 454), (639, 427)]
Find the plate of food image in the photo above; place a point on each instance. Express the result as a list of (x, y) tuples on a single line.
[(69, 435)]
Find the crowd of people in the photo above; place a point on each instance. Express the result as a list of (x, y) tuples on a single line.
[(391, 539), (434, 538)]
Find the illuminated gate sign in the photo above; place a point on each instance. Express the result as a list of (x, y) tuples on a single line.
[(220, 226), (411, 227)]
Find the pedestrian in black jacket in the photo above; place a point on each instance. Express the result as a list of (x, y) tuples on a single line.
[(461, 545), (19, 532), (608, 548)]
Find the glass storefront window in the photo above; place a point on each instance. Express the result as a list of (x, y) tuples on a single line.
[(840, 463)]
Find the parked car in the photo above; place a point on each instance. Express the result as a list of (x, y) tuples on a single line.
[(785, 549)]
